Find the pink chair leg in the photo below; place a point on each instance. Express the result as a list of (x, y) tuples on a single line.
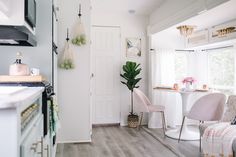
[(200, 141), (164, 120), (163, 123), (141, 119)]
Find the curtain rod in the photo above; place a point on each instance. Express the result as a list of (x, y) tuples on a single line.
[(106, 26), (177, 50), (217, 48), (185, 50), (153, 50)]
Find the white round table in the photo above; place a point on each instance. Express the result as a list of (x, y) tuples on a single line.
[(187, 133)]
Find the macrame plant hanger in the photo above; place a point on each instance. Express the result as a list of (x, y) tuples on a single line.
[(80, 36), (80, 14), (67, 35), (67, 60)]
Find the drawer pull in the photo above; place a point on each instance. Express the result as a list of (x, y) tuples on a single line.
[(47, 149), (41, 150), (34, 147)]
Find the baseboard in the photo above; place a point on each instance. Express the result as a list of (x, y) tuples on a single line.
[(80, 141), (123, 124), (105, 125)]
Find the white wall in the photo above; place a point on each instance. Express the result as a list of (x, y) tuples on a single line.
[(168, 39), (174, 12), (74, 85), (131, 26), (40, 56)]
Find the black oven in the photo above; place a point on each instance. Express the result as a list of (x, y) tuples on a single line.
[(30, 12)]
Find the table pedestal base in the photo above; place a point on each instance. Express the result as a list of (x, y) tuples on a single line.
[(187, 134)]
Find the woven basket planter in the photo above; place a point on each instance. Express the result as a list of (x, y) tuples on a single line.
[(133, 121)]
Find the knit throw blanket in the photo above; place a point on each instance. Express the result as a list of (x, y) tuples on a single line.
[(217, 140)]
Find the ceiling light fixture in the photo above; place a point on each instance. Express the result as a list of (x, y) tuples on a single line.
[(131, 11), (186, 30)]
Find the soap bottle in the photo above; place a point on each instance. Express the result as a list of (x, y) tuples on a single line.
[(18, 68)]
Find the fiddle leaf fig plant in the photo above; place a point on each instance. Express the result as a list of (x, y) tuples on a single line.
[(131, 71)]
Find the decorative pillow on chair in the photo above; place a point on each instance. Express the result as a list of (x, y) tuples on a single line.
[(230, 112), (234, 121)]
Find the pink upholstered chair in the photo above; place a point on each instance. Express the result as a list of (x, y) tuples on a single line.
[(207, 108), (143, 104)]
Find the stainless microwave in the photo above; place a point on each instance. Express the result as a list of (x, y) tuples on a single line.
[(30, 12)]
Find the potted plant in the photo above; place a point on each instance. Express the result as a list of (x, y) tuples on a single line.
[(131, 71)]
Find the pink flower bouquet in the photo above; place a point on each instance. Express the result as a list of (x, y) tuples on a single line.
[(190, 80)]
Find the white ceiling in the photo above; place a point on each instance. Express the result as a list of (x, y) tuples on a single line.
[(142, 7), (218, 15)]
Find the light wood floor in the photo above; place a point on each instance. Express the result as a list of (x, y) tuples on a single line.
[(182, 149), (126, 142)]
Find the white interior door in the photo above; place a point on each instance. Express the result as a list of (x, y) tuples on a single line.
[(105, 75)]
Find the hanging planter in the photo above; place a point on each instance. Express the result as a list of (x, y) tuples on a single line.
[(80, 36), (67, 59)]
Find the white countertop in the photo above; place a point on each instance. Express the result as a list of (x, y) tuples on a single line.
[(14, 97)]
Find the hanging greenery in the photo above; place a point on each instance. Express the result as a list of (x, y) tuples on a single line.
[(67, 59), (80, 36)]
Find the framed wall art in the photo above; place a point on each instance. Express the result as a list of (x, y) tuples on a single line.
[(133, 47)]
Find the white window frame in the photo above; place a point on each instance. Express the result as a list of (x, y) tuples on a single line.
[(220, 86), (187, 59)]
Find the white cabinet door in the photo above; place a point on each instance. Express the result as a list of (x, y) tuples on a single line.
[(31, 146), (46, 145), (39, 139), (106, 75)]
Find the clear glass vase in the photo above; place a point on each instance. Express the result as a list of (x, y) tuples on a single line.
[(188, 86)]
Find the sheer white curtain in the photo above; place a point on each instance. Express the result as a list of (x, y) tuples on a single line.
[(163, 73), (198, 67)]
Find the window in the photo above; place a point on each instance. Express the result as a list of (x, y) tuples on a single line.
[(221, 70), (181, 64)]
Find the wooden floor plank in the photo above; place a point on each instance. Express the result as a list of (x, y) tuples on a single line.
[(114, 141), (185, 148)]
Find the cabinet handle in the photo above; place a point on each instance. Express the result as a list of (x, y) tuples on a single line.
[(34, 147), (41, 143), (47, 149)]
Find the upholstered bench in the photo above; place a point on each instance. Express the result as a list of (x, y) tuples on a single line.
[(203, 128), (228, 116)]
